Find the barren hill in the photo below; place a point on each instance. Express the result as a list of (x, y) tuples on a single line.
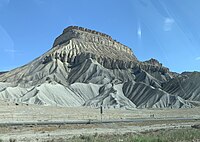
[(88, 68)]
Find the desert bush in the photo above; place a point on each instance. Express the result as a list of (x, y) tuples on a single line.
[(175, 135)]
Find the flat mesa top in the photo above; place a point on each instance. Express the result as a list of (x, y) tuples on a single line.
[(84, 33), (85, 30)]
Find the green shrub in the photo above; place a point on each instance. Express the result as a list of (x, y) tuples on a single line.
[(175, 135)]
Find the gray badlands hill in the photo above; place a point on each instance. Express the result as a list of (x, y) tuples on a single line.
[(88, 68), (2, 72)]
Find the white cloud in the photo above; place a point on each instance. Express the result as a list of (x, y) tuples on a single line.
[(168, 23), (197, 58)]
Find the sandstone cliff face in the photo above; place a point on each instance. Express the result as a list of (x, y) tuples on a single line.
[(88, 35), (88, 68)]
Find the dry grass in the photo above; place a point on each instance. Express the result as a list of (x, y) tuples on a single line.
[(175, 135), (11, 112)]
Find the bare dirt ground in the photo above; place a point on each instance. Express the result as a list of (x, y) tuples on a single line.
[(11, 112)]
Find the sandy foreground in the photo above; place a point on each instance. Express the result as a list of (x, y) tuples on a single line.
[(11, 112)]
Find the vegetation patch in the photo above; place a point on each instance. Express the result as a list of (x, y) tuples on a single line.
[(173, 135)]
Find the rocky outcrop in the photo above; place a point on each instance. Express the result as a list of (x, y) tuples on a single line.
[(87, 35), (153, 62), (157, 70)]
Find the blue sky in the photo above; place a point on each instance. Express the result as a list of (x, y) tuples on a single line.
[(167, 30)]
